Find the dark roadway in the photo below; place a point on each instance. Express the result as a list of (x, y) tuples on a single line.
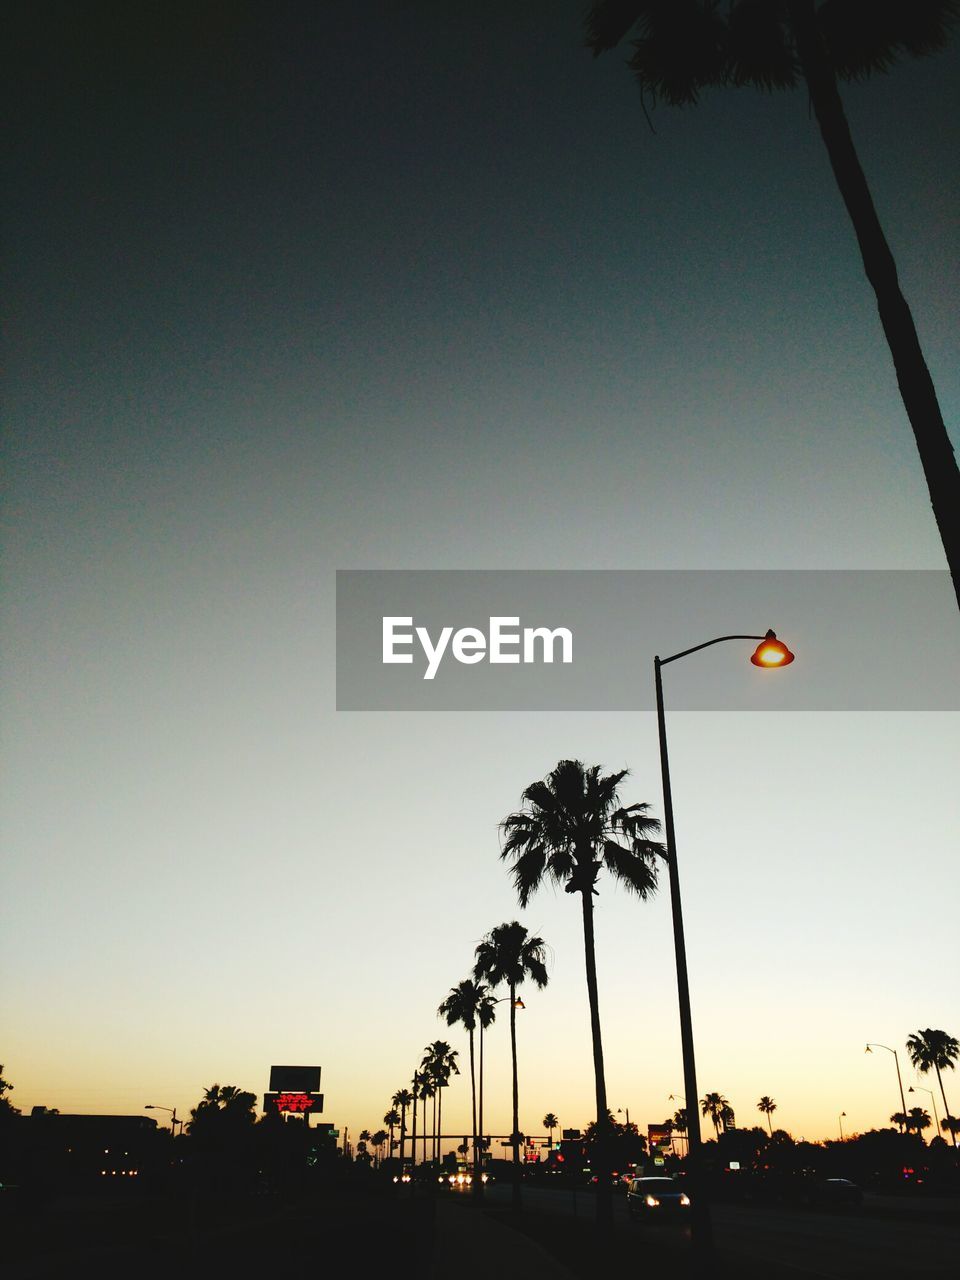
[(874, 1241)]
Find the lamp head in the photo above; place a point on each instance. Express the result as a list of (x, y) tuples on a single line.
[(518, 1003), (771, 652), (868, 1049)]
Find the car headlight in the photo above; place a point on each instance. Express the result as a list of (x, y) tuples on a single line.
[(652, 1201), (685, 1199)]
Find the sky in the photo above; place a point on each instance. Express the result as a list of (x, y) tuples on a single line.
[(298, 288)]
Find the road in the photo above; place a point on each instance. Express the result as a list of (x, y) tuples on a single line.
[(843, 1245)]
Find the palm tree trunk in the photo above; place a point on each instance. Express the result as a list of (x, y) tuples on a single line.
[(913, 377), (480, 1098), (439, 1119), (413, 1154), (473, 1108), (770, 1124), (515, 1135), (953, 1132), (604, 1190)]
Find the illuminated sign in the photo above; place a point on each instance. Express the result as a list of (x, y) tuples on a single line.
[(295, 1101)]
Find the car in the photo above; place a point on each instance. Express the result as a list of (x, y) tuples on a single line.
[(835, 1191), (656, 1199)]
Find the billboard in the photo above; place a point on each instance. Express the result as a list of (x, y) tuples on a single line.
[(294, 1101), (294, 1079)]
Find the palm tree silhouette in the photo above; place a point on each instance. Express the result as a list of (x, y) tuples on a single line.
[(510, 954), (550, 1122), (768, 1107), (936, 1051), (717, 1108), (486, 1016), (428, 1090), (461, 1006), (402, 1099), (900, 1119), (918, 1119), (439, 1060), (571, 827), (680, 50), (391, 1119)]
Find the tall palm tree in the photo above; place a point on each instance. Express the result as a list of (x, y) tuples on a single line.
[(768, 1107), (681, 48), (717, 1108), (900, 1119), (415, 1094), (428, 1091), (486, 1016), (402, 1099), (510, 954), (439, 1060), (461, 1006), (936, 1051), (571, 827), (550, 1122)]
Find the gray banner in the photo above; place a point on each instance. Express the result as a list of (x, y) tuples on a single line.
[(584, 640)]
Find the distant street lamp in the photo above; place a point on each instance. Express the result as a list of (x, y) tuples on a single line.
[(840, 1119), (933, 1100), (869, 1049), (173, 1116), (769, 653)]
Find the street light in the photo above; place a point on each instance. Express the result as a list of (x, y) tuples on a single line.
[(840, 1120), (770, 653), (933, 1099), (478, 1167), (869, 1049), (173, 1116)]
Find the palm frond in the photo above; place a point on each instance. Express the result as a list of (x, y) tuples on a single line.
[(608, 21), (862, 37), (634, 867)]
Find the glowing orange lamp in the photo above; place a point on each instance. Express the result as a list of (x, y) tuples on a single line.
[(771, 652)]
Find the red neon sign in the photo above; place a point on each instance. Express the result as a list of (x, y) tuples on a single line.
[(294, 1102)]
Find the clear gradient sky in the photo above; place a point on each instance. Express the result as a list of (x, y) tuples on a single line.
[(299, 287)]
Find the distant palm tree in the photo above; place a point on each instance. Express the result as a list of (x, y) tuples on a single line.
[(510, 954), (935, 1051), (378, 1139), (439, 1060), (391, 1119), (680, 1120), (571, 827), (461, 1006), (899, 1118), (951, 1124), (918, 1120), (402, 1099), (768, 1107), (550, 1122), (717, 1108), (683, 49)]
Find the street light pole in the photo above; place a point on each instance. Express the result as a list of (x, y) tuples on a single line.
[(840, 1119), (769, 653), (173, 1116), (869, 1049), (933, 1100)]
